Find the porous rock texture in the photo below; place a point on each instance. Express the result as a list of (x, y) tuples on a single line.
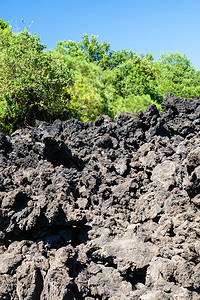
[(103, 211)]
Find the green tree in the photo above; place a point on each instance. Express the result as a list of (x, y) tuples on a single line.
[(132, 104), (32, 82), (137, 76), (119, 74), (178, 76), (3, 25), (89, 93), (86, 91), (92, 51)]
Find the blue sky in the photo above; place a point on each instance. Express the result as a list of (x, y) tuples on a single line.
[(154, 26)]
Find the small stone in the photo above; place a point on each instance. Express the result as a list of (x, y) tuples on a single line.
[(82, 203)]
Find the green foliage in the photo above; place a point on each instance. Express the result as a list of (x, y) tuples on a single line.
[(133, 103), (109, 77), (137, 77), (85, 93), (82, 80), (92, 51), (31, 81), (178, 76), (3, 25)]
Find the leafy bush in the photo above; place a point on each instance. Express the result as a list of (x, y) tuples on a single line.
[(86, 101), (137, 76), (31, 81), (178, 76), (133, 103)]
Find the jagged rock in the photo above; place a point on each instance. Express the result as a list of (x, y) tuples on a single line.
[(57, 285), (103, 211), (106, 281), (29, 281)]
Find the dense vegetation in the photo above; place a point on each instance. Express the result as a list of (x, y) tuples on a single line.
[(82, 80)]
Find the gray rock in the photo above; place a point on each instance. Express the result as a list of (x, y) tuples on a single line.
[(103, 211)]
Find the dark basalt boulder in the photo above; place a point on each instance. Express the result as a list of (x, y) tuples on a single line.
[(103, 211)]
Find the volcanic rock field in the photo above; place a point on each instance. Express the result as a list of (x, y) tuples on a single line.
[(109, 210)]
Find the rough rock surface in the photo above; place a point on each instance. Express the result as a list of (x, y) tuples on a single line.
[(103, 211)]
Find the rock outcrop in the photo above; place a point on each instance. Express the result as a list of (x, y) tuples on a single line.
[(103, 211)]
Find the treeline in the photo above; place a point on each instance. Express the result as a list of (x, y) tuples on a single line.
[(82, 80)]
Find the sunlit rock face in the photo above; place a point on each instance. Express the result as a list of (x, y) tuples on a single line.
[(108, 210)]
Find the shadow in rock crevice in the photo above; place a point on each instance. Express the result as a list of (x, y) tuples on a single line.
[(56, 234), (136, 276), (59, 154), (21, 200)]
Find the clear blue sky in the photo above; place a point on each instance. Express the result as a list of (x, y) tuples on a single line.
[(154, 26)]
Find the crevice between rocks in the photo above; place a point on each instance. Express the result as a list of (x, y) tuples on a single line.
[(55, 236), (136, 276), (133, 276)]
